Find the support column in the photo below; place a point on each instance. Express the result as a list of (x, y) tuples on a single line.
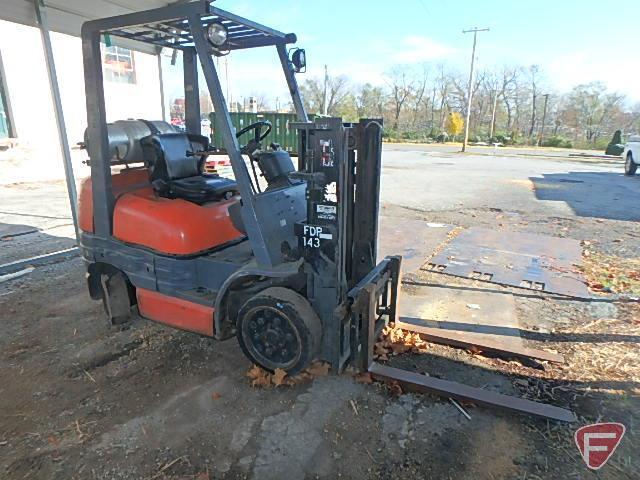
[(161, 81), (57, 107), (191, 91), (252, 223)]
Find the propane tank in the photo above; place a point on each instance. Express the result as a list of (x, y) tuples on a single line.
[(124, 138)]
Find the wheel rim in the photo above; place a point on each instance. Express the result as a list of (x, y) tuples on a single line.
[(271, 338)]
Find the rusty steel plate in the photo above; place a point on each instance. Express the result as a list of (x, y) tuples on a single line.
[(446, 388), (525, 260)]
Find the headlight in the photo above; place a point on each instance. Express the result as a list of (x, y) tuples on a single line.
[(217, 34)]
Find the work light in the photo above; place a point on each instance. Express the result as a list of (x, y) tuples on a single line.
[(217, 34)]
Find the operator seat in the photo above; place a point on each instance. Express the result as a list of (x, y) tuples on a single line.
[(176, 172)]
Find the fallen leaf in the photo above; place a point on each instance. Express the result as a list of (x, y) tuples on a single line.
[(364, 377), (318, 369), (400, 348), (395, 388), (259, 377), (278, 377), (216, 395)]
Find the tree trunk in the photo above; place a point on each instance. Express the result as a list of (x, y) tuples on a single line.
[(533, 115)]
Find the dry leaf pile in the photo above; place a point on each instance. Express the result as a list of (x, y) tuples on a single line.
[(610, 274), (394, 341), (262, 379), (613, 359)]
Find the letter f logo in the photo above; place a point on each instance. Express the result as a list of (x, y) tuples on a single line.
[(598, 441)]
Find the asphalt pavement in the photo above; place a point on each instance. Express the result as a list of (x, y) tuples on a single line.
[(429, 178), (434, 178)]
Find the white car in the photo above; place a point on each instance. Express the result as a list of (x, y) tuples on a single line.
[(631, 155)]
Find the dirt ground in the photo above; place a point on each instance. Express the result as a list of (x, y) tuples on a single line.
[(81, 400)]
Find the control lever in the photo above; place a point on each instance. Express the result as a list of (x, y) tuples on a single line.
[(315, 178), (202, 153)]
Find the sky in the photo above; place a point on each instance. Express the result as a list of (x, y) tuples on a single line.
[(573, 41)]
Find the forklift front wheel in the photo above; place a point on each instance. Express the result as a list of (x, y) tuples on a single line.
[(277, 328)]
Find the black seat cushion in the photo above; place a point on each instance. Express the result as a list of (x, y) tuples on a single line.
[(176, 173), (203, 188)]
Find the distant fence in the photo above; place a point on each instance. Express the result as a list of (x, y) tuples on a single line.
[(281, 133)]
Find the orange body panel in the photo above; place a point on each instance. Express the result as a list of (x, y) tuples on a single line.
[(124, 181), (175, 312), (172, 226)]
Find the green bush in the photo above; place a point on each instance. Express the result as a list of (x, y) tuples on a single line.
[(501, 138), (557, 142), (389, 134), (601, 144), (413, 135)]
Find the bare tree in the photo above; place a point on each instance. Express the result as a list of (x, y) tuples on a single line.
[(418, 94), (369, 101), (422, 100), (507, 90), (401, 87), (533, 71), (313, 93), (443, 90)]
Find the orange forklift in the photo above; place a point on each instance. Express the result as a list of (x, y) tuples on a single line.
[(283, 256)]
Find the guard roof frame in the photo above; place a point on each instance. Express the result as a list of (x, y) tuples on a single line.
[(183, 26), (169, 27)]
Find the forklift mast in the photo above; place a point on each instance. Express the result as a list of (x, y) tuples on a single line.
[(341, 164)]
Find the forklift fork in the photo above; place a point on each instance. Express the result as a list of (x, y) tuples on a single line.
[(373, 304)]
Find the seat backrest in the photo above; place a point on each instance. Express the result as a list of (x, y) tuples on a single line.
[(168, 158)]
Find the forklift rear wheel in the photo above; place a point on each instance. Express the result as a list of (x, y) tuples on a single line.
[(115, 297), (277, 328)]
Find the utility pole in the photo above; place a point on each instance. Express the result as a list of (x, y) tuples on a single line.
[(493, 114), (469, 92), (325, 107), (544, 119)]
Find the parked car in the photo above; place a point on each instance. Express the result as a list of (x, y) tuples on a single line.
[(631, 155)]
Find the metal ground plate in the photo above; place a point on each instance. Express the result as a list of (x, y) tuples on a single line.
[(468, 319), (415, 240), (8, 230), (535, 262)]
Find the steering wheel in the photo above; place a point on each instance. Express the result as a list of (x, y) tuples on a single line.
[(257, 126)]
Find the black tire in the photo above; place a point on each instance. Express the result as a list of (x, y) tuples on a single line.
[(116, 299), (277, 328), (630, 166)]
